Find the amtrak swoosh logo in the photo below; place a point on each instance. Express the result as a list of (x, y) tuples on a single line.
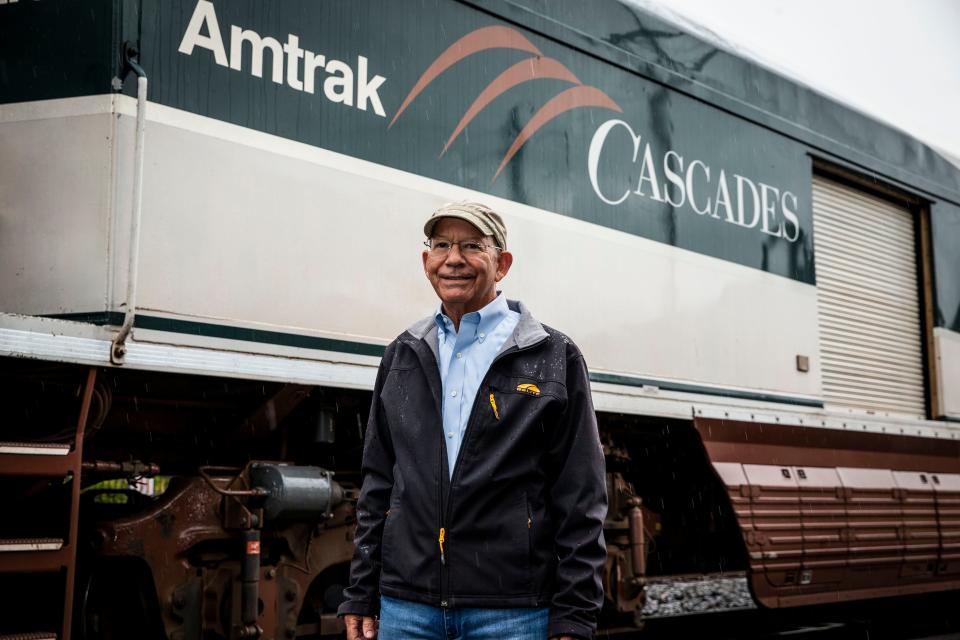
[(534, 68)]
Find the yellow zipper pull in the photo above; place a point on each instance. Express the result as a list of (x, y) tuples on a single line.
[(493, 403), (443, 535)]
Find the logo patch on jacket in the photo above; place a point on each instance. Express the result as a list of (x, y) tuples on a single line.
[(529, 388)]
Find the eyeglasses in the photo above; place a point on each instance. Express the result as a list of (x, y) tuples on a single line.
[(441, 247)]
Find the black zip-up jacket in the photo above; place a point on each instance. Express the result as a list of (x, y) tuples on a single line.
[(520, 524)]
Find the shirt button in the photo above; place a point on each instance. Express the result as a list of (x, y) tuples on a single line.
[(483, 335), (459, 355), (453, 393), (449, 434)]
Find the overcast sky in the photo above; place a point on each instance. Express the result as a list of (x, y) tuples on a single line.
[(894, 59)]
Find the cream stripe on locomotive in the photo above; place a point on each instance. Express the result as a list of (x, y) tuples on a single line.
[(868, 307)]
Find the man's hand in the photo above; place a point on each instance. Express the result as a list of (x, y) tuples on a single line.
[(361, 627)]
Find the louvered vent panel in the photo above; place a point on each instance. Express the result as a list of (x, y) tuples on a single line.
[(870, 350)]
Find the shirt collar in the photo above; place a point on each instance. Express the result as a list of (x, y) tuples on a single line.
[(480, 323)]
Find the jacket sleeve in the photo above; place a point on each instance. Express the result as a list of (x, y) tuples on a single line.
[(578, 497), (362, 595)]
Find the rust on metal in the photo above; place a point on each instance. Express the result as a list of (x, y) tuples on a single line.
[(638, 542), (189, 539), (628, 532), (254, 492)]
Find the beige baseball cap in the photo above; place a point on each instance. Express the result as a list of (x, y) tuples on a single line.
[(479, 215)]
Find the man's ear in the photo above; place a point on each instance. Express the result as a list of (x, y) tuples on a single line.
[(504, 261), (425, 255)]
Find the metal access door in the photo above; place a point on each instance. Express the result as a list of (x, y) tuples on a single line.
[(868, 301)]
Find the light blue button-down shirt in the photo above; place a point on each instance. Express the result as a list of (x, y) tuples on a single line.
[(465, 357)]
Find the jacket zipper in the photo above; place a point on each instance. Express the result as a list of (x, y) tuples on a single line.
[(442, 534), (441, 531), (526, 501), (493, 403), (441, 539), (445, 508)]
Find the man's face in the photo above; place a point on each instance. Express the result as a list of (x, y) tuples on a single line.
[(464, 282)]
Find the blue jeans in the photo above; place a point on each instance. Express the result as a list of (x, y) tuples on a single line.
[(405, 620)]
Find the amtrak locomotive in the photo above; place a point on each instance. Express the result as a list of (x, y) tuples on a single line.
[(209, 229)]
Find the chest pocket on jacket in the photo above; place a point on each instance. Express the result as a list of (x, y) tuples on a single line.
[(510, 396), (510, 421), (507, 404)]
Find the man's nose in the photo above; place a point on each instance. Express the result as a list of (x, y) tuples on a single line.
[(454, 256)]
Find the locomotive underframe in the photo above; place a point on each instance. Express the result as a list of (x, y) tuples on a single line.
[(687, 497), (175, 558)]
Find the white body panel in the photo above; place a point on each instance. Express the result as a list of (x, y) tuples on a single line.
[(245, 229), (56, 199), (947, 349)]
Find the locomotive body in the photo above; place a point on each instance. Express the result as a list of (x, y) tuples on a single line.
[(210, 228)]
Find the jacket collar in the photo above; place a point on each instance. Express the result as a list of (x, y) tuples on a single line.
[(527, 333)]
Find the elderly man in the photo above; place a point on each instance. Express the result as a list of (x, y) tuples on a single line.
[(481, 511)]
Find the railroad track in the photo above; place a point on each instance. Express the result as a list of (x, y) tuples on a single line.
[(931, 617), (711, 627)]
